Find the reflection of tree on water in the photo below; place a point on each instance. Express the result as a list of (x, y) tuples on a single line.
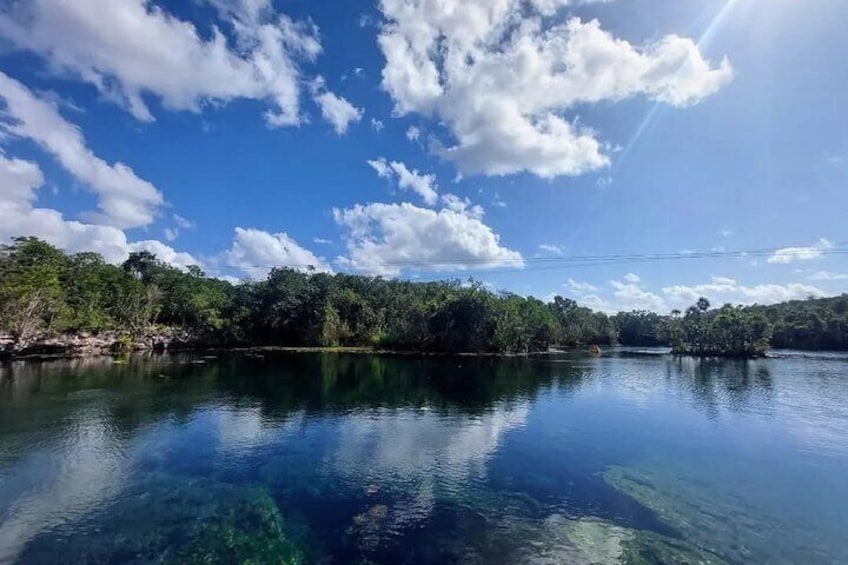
[(730, 384), (339, 383), (150, 387)]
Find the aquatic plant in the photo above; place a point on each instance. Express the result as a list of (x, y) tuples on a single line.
[(170, 519)]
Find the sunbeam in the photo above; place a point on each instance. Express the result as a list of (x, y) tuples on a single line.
[(655, 112)]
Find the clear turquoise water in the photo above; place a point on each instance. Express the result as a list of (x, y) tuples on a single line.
[(335, 458)]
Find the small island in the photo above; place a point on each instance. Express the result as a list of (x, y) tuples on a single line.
[(56, 303)]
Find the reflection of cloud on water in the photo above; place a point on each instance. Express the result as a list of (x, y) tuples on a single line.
[(243, 429), (56, 487), (410, 445), (421, 453)]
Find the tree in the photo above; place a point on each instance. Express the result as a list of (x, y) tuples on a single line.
[(44, 290), (30, 291)]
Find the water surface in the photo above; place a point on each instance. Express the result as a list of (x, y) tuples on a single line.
[(341, 458)]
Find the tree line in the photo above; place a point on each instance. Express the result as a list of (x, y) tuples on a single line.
[(44, 290)]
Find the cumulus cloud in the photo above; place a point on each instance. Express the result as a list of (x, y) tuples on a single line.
[(632, 278), (421, 184), (165, 253), (579, 286), (463, 206), (255, 252), (385, 239), (377, 125), (624, 295), (124, 199), (335, 109), (792, 254), (129, 49), (21, 179), (499, 74), (725, 289), (630, 296)]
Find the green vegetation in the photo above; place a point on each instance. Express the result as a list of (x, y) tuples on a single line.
[(730, 331), (188, 521), (44, 291)]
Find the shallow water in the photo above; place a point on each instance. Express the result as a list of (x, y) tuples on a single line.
[(339, 458)]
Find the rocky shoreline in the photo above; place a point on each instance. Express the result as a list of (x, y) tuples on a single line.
[(86, 344)]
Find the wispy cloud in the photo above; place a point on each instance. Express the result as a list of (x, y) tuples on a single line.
[(792, 254), (551, 249), (827, 276)]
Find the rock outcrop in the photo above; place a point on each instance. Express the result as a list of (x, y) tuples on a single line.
[(84, 344)]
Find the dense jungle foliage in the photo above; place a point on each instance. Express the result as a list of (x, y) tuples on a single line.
[(43, 290)]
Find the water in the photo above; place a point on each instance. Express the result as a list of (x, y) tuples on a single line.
[(337, 458)]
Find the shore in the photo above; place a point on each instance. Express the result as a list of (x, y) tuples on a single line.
[(70, 346)]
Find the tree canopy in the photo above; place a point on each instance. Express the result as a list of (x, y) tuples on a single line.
[(44, 290)]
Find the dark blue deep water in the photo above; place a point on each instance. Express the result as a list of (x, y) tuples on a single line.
[(630, 457)]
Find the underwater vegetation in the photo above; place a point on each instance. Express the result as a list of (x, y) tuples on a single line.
[(170, 520)]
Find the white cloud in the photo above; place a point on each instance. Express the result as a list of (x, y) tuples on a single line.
[(595, 302), (385, 239), (498, 202), (256, 252), (791, 254), (413, 133), (165, 253), (421, 184), (622, 297), (632, 278), (377, 125), (321, 241), (604, 181), (551, 249), (500, 74), (124, 199), (18, 217), (626, 295), (19, 180), (129, 49), (182, 222), (335, 109), (629, 296), (725, 289), (827, 276), (462, 206), (578, 286)]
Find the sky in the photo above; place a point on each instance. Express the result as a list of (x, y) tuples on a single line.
[(629, 154)]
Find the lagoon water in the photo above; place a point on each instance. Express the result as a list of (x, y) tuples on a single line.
[(630, 457)]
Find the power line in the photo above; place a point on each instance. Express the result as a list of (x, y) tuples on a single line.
[(579, 261)]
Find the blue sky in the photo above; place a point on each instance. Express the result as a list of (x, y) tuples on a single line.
[(511, 140)]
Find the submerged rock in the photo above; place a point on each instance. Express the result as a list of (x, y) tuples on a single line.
[(706, 518), (590, 541), (514, 536), (596, 540)]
